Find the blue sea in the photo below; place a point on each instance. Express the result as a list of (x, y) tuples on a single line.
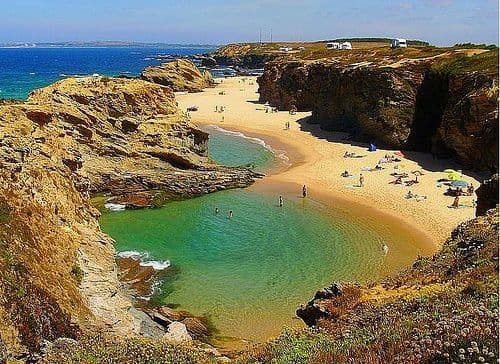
[(25, 69)]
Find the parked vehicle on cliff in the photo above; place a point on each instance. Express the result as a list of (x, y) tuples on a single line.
[(337, 45), (399, 43)]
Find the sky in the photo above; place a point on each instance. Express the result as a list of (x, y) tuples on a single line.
[(441, 22)]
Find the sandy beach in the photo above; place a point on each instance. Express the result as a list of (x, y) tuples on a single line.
[(317, 160)]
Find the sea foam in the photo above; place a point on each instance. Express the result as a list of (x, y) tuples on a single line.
[(114, 206), (144, 261)]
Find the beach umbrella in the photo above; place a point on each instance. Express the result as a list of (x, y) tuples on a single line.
[(459, 183), (454, 176)]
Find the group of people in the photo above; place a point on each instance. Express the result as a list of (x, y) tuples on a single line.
[(220, 108)]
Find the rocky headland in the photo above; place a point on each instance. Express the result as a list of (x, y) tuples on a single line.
[(124, 138), (179, 75)]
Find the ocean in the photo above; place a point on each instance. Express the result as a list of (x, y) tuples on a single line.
[(25, 69)]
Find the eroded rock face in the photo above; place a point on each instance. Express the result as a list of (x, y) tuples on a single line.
[(487, 195), (179, 75), (80, 136), (241, 55), (412, 105)]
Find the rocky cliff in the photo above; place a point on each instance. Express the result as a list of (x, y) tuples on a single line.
[(446, 104), (179, 75), (125, 138)]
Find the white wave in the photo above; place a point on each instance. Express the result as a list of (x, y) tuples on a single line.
[(143, 257), (133, 254), (156, 264), (114, 206)]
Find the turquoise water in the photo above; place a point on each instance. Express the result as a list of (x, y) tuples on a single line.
[(233, 149), (250, 272)]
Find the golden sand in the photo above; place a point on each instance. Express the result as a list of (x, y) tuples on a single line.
[(317, 160)]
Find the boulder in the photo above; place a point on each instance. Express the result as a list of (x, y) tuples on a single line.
[(316, 308), (208, 62), (195, 327), (177, 332)]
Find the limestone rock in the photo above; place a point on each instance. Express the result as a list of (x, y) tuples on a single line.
[(179, 75), (177, 332)]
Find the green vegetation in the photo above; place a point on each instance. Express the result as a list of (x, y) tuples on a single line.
[(486, 62), (102, 349), (77, 273), (476, 46), (411, 42)]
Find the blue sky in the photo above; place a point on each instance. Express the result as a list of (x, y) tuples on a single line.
[(442, 22)]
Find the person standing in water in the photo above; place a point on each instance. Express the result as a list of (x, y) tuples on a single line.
[(385, 248), (304, 191), (230, 213), (281, 201), (216, 210)]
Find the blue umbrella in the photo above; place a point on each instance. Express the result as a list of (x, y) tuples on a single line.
[(459, 183)]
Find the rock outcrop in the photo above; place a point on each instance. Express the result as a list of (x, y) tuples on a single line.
[(447, 105), (487, 195), (242, 55), (179, 75), (121, 137)]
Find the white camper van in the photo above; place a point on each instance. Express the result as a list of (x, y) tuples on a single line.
[(346, 45), (398, 43), (333, 45)]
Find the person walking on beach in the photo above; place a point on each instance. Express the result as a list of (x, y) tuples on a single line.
[(361, 180), (216, 108), (222, 119), (281, 201), (304, 191), (455, 202)]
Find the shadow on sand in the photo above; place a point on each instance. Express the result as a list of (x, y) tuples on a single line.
[(425, 160)]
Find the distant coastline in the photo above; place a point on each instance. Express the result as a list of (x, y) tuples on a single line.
[(102, 44)]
